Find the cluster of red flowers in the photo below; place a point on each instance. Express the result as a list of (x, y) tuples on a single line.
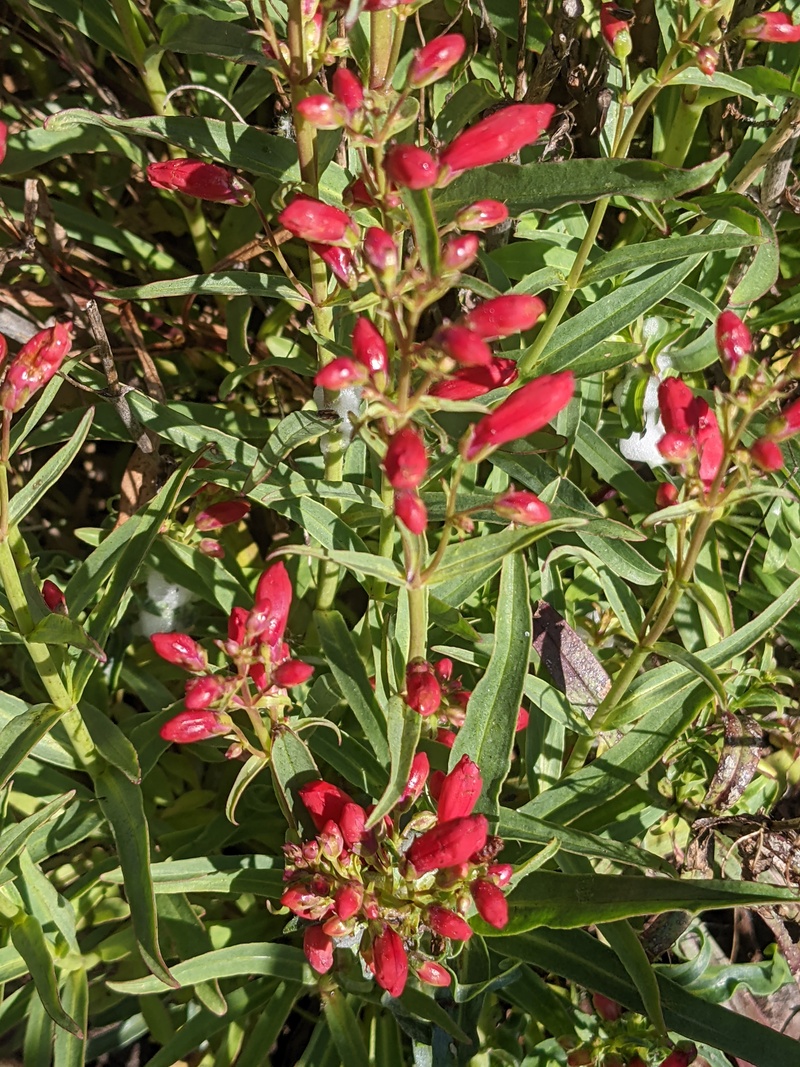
[(693, 437), (262, 667), (33, 366), (396, 893)]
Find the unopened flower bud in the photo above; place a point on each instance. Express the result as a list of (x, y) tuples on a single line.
[(666, 495), (423, 692), (448, 844), (202, 691), (766, 455), (369, 347), (190, 726), (340, 261), (444, 669), (435, 59), (615, 30), (505, 315), (226, 512), (495, 137), (311, 220), (772, 26), (3, 141), (357, 194), (522, 507), (322, 112), (448, 924), (347, 89), (180, 650), (340, 373), (353, 821), (380, 250), (390, 961), (406, 461), (291, 672), (681, 1056), (606, 1008), (34, 365), (676, 447), (348, 899), (434, 974), (734, 341), (526, 411), (707, 60), (318, 949), (411, 511), (411, 167), (482, 215), (53, 597), (205, 181), (420, 768), (491, 903), (459, 253), (463, 345), (470, 382), (500, 874), (324, 802), (460, 791), (445, 737)]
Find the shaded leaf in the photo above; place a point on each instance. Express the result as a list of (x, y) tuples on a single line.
[(574, 668)]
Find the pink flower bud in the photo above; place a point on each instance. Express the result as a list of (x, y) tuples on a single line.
[(53, 597), (500, 873), (423, 692), (527, 410), (435, 59), (498, 136), (273, 599), (682, 1056), (348, 899), (444, 669), (666, 495), (676, 447), (340, 373), (788, 422), (318, 949), (34, 365), (322, 112), (491, 903), (202, 691), (406, 459), (522, 507), (523, 718), (675, 400), (411, 511), (766, 454), (770, 26), (615, 30), (445, 737), (291, 672), (459, 253), (347, 89), (411, 167), (311, 220), (460, 791), (420, 768), (471, 382), (710, 446), (209, 547), (482, 215), (226, 512), (237, 622), (733, 340), (380, 250), (180, 650), (324, 802), (390, 961), (463, 345), (353, 820), (369, 347), (448, 844), (504, 316), (707, 60), (357, 194), (189, 726), (606, 1008), (340, 261), (448, 924), (206, 181), (433, 974)]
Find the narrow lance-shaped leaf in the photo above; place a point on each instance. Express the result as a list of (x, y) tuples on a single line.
[(28, 939), (404, 730)]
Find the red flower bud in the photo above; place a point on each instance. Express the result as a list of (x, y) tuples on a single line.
[(340, 261), (435, 59), (766, 454), (482, 215), (411, 167), (180, 650), (311, 220), (527, 410), (681, 1056), (237, 622), (353, 820), (675, 400), (423, 692), (459, 253), (3, 141), (324, 802), (733, 340), (615, 30), (505, 315), (463, 345), (390, 961), (523, 718), (433, 974), (380, 250), (348, 899), (222, 514), (521, 506), (410, 510), (357, 194), (498, 136), (710, 446), (209, 547), (444, 669), (420, 768), (340, 373), (369, 347), (347, 89), (202, 691), (318, 949), (291, 672), (770, 26), (206, 181), (447, 738), (676, 447), (460, 791), (446, 923), (189, 726), (707, 60), (53, 597), (471, 382), (788, 423), (666, 494), (606, 1008), (273, 599), (34, 365), (491, 903), (500, 873), (406, 459), (448, 844), (322, 112)]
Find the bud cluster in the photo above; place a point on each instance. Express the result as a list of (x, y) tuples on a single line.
[(397, 893)]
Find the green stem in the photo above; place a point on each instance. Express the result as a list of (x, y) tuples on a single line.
[(418, 622)]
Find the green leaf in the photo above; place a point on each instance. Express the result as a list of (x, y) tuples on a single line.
[(28, 939), (220, 875), (111, 742), (248, 772), (422, 1006), (419, 206), (15, 837), (20, 735), (23, 502), (70, 1050), (487, 735), (292, 766), (222, 283), (635, 257), (266, 1028), (198, 35), (55, 629), (693, 663), (188, 935), (344, 1028), (298, 428), (404, 726), (122, 804)]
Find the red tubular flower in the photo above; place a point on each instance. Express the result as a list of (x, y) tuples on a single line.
[(463, 345), (380, 250), (491, 902), (447, 924), (206, 181), (311, 220), (189, 726), (459, 253), (675, 399), (369, 347), (482, 215), (615, 30), (710, 446), (460, 791), (273, 598), (666, 495), (435, 59), (347, 89), (448, 844), (324, 802), (340, 373), (433, 974), (348, 900), (772, 26), (353, 821), (406, 459), (420, 768), (291, 672), (471, 382), (527, 410), (494, 138), (222, 514), (340, 261), (180, 650), (734, 341), (318, 949), (411, 167), (411, 511), (445, 737), (423, 692), (53, 597), (34, 365), (390, 961), (522, 507), (766, 454), (202, 691), (676, 447), (322, 111), (504, 316)]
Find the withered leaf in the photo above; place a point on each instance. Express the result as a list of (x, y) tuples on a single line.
[(737, 763), (574, 668)]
